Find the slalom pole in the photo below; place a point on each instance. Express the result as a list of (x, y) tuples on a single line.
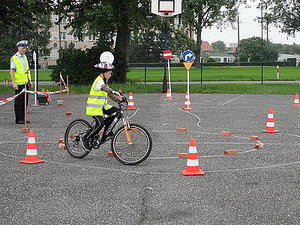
[(25, 129), (60, 102), (68, 113), (35, 79), (60, 87)]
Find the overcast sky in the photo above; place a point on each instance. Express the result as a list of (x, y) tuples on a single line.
[(249, 27)]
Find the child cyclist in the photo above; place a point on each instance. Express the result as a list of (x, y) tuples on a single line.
[(97, 104)]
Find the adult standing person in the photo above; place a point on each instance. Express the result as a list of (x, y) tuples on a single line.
[(20, 77)]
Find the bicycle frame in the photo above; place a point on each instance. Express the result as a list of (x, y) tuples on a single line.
[(120, 115)]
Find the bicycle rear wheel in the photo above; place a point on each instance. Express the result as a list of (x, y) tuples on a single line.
[(73, 138), (137, 151)]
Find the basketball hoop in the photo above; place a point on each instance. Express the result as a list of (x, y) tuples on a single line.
[(166, 8)]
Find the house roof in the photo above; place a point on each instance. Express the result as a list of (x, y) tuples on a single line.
[(206, 47)]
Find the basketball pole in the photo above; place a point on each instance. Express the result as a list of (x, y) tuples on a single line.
[(164, 89)]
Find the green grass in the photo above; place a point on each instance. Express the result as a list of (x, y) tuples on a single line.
[(209, 74), (181, 88), (44, 75), (216, 74)]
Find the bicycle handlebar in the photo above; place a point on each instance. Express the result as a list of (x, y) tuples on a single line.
[(124, 100)]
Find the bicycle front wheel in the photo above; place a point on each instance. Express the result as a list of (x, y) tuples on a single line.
[(135, 152), (73, 138)]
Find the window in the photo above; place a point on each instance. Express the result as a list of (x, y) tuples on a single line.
[(63, 35), (92, 37), (75, 38), (64, 20)]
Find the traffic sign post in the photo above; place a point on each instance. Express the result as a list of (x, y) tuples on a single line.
[(168, 55), (188, 58)]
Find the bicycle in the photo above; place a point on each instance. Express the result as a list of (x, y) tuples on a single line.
[(131, 144)]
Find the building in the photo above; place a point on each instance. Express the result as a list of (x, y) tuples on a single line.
[(293, 60), (61, 38), (206, 47), (222, 57)]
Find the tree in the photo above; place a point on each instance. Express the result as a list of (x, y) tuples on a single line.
[(199, 14), (256, 49), (180, 41), (78, 64), (286, 49), (109, 19), (29, 20), (219, 46), (285, 14), (145, 46)]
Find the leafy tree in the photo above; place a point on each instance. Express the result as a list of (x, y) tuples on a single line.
[(219, 46), (286, 49), (79, 64), (29, 20), (179, 41), (256, 49), (199, 14), (146, 46), (109, 19), (285, 14)]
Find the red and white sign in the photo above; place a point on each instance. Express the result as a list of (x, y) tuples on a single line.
[(167, 54)]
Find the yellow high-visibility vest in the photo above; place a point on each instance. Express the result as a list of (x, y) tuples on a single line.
[(97, 100), (21, 76)]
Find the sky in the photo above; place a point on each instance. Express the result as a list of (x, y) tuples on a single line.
[(249, 27)]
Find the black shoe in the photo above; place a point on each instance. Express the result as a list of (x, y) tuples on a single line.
[(86, 144), (20, 122), (27, 121)]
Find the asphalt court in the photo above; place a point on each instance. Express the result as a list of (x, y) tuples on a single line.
[(255, 186)]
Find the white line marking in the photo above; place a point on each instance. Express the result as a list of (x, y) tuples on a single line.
[(232, 100), (193, 115), (161, 173), (133, 114)]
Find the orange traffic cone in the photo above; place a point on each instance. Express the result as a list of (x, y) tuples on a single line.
[(131, 102), (169, 96), (270, 128), (192, 167), (296, 101), (31, 153), (187, 103)]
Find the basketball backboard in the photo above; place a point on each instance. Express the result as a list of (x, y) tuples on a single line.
[(166, 8)]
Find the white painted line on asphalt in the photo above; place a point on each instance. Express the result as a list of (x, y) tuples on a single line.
[(231, 100), (161, 173), (133, 114), (255, 168), (193, 115)]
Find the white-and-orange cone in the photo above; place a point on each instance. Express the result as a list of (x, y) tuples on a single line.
[(187, 103), (270, 128), (192, 167), (169, 95), (296, 101), (31, 153), (131, 102)]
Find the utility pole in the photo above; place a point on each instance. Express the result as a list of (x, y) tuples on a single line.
[(238, 47), (59, 34), (262, 21)]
